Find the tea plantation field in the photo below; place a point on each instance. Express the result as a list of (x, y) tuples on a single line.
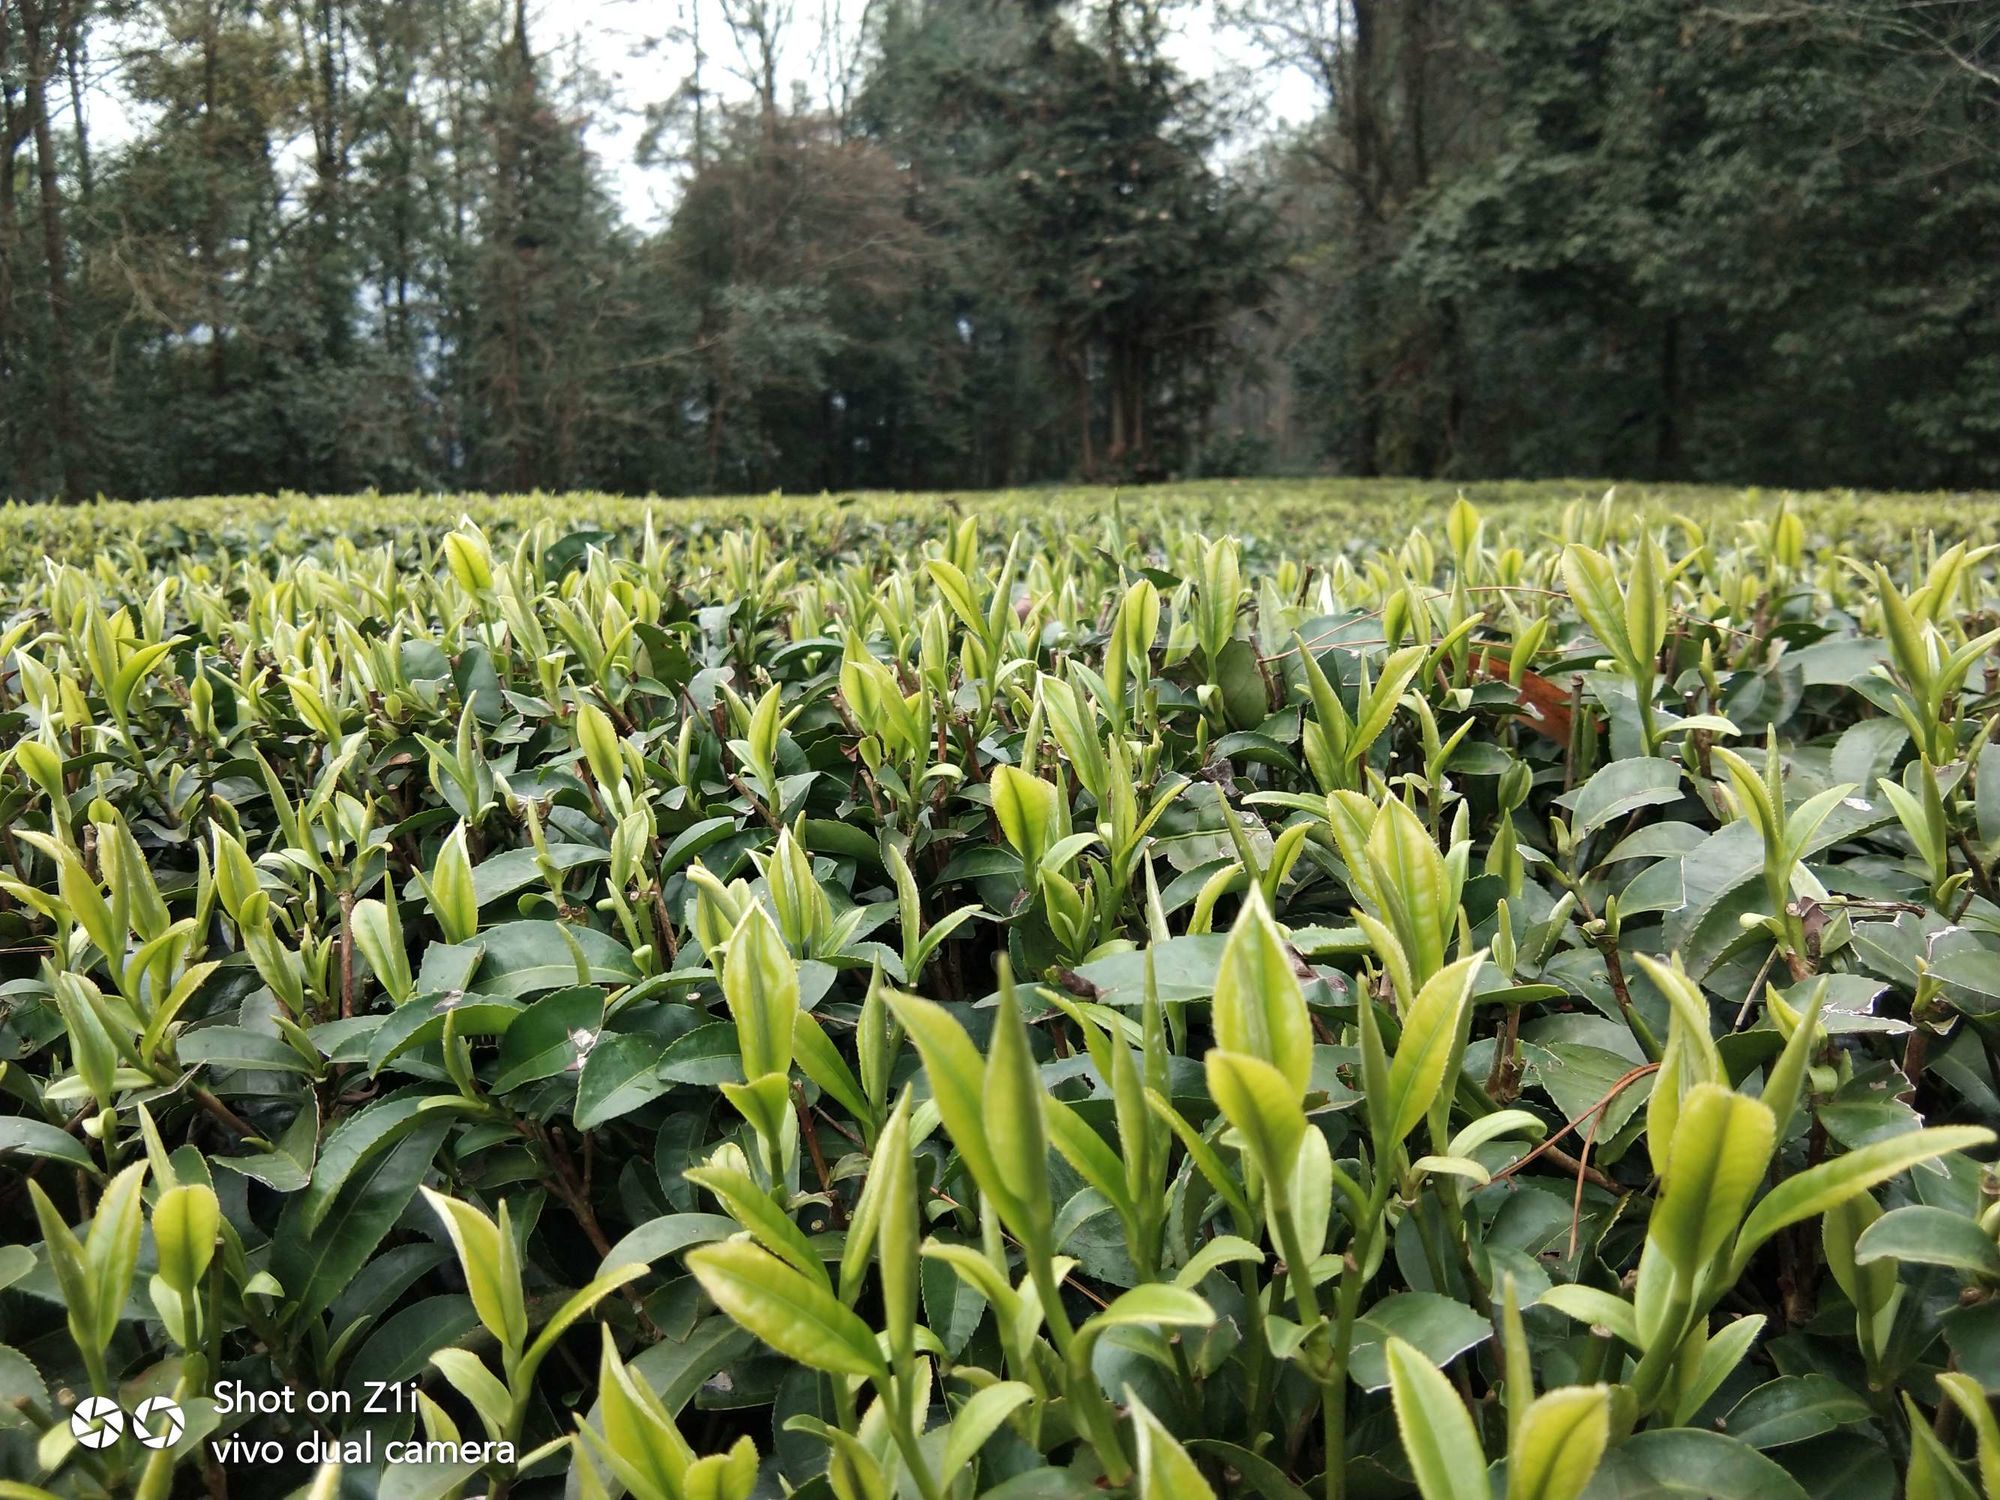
[(1277, 991)]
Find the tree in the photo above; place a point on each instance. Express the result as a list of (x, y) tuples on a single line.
[(1400, 106), (48, 35), (940, 243), (549, 241), (1707, 244), (1081, 156)]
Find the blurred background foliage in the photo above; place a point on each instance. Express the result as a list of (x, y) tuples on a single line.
[(335, 244)]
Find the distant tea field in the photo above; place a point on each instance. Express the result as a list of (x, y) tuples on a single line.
[(1269, 989), (1305, 519)]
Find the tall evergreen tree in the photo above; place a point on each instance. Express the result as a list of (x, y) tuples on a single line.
[(342, 243)]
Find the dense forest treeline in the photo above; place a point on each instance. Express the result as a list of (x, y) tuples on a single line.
[(344, 243)]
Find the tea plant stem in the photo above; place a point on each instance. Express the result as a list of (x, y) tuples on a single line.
[(1570, 1163), (565, 1184), (1614, 970), (663, 926), (1427, 1237), (1650, 1379), (346, 954), (213, 1330), (1501, 1079), (223, 1112), (1597, 1357), (1452, 1212), (902, 1423), (1260, 1347), (843, 1403), (146, 774), (1094, 1410), (1649, 730), (13, 854), (811, 1139), (1298, 1271), (756, 805), (1333, 1389)]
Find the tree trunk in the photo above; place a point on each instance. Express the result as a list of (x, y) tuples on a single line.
[(1359, 123), (1115, 366), (322, 44), (516, 256), (85, 176), (1086, 459), (14, 126), (1137, 421), (1667, 434), (45, 43), (208, 246)]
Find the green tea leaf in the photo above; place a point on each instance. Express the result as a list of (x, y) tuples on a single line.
[(1257, 1100), (1165, 1470), (1929, 1236), (1721, 1146), (799, 1320), (1259, 1009), (1431, 1029), (1438, 1437), (186, 1221), (761, 984), (491, 1264), (1562, 1438), (1819, 1188)]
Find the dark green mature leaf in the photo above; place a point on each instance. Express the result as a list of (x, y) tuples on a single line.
[(359, 1137), (1929, 1236), (549, 1036), (1973, 1335), (1439, 1327), (20, 1382), (1258, 1472), (705, 1056), (620, 1073), (1845, 1465), (657, 1238), (1727, 864), (1245, 697), (288, 1166), (1794, 1408), (239, 1047), (514, 870), (316, 1265), (402, 1345), (1685, 1463), (1620, 789), (422, 1021), (1185, 968), (38, 1138), (525, 958)]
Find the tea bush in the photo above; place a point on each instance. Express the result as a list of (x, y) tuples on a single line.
[(905, 998)]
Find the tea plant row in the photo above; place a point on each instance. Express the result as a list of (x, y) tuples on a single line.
[(880, 1005)]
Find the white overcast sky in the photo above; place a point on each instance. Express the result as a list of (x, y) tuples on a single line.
[(618, 40), (613, 36)]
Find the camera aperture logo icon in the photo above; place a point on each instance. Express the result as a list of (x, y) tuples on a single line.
[(97, 1422), (158, 1422)]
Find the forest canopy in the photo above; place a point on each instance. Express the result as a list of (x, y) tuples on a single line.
[(338, 244)]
